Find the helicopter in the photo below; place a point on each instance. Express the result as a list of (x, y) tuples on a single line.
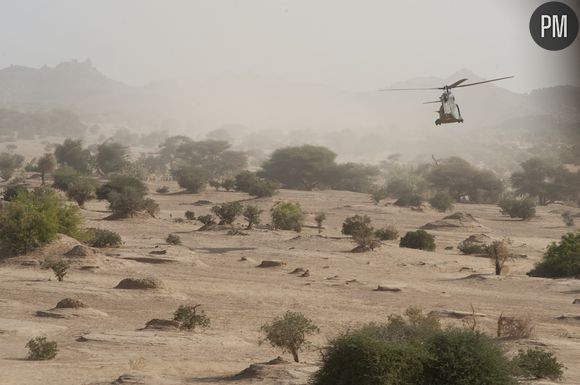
[(449, 112)]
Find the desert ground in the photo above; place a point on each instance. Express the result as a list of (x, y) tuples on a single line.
[(106, 344)]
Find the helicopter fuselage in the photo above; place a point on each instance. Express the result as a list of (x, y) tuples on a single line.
[(449, 112)]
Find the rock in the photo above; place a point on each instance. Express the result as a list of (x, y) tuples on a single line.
[(305, 274), (440, 225), (140, 283), (456, 314), (30, 262), (449, 248), (272, 263), (162, 324), (202, 202), (158, 252), (80, 251), (48, 314), (69, 303), (576, 301), (129, 379), (465, 268), (569, 317), (388, 288), (297, 270)]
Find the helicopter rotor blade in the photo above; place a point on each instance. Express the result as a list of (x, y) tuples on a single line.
[(411, 89), (484, 81), (434, 101), (457, 83)]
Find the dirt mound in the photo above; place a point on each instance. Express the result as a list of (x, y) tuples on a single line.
[(455, 220), (162, 324), (461, 216), (140, 283), (69, 303), (272, 263), (390, 288), (456, 314), (274, 369), (80, 251), (474, 244)]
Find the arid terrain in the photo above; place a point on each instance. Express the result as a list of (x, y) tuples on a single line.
[(104, 341)]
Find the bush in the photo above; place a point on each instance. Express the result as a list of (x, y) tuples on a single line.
[(419, 239), (192, 179), (173, 239), (190, 215), (518, 208), (59, 268), (228, 184), (538, 364), (102, 238), (206, 219), (162, 190), (514, 328), (287, 216), (319, 218), (472, 245), (561, 259), (227, 212), (244, 180), (289, 332), (189, 318), (413, 350), (215, 184), (252, 215), (365, 238), (568, 218), (40, 349), (81, 190), (499, 253), (34, 219), (262, 189), (9, 163), (112, 157), (442, 201), (11, 191), (71, 153), (126, 196), (387, 233), (119, 184), (378, 194), (409, 200), (355, 222), (64, 177)]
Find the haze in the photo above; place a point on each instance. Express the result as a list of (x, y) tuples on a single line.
[(356, 46)]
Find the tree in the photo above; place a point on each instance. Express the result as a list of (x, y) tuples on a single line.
[(419, 239), (71, 153), (252, 215), (442, 201), (287, 216), (59, 268), (112, 157), (545, 180), (303, 167), (289, 332), (81, 190), (365, 238), (126, 196), (192, 179), (464, 181), (518, 208), (46, 164), (350, 177), (227, 212), (319, 218), (34, 219), (9, 163), (499, 253), (214, 157)]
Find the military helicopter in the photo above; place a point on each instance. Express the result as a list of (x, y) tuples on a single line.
[(449, 112)]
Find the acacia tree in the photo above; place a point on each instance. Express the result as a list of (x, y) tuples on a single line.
[(112, 157), (289, 332), (71, 153), (9, 163), (46, 164)]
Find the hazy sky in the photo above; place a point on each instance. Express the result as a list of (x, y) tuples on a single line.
[(355, 45)]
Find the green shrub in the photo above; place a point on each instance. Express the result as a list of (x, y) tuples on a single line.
[(442, 201), (289, 332), (102, 238), (190, 215), (192, 179), (126, 196), (34, 219), (518, 208), (215, 184), (287, 216), (419, 239), (40, 349), (81, 190), (244, 180), (387, 233), (59, 268), (409, 200), (472, 245), (350, 224), (228, 184), (252, 215), (538, 364), (173, 239), (413, 350), (119, 184), (227, 212), (12, 190), (262, 189), (189, 318), (365, 238), (561, 259), (64, 177), (207, 219)]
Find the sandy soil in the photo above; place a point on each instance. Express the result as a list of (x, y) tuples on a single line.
[(99, 344)]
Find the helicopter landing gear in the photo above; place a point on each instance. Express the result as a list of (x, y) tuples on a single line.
[(460, 121), (438, 122)]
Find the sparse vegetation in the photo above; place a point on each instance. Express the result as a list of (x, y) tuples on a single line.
[(499, 254), (102, 238), (58, 267), (319, 218), (538, 364), (9, 163), (365, 238), (189, 215), (387, 233), (289, 332), (191, 317), (81, 190), (409, 200), (252, 216), (207, 219), (41, 349), (514, 328), (419, 239), (287, 216), (173, 239), (523, 209), (34, 219), (561, 259), (442, 201)]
